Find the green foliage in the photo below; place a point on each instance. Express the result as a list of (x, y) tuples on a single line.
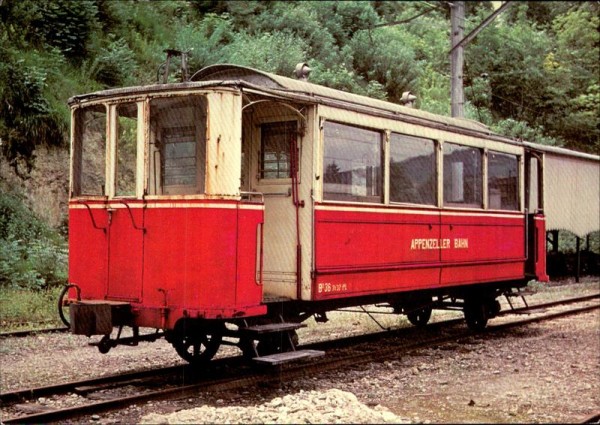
[(522, 130), (31, 254), (67, 25), (384, 56), (26, 117), (205, 40), (114, 66), (278, 52)]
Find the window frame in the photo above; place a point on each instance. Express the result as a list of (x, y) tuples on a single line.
[(381, 184), (480, 186), (517, 186), (260, 172), (200, 130), (76, 155), (435, 169)]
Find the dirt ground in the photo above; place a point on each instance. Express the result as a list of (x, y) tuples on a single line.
[(542, 373)]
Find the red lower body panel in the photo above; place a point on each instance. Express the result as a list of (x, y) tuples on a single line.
[(169, 259), (362, 251)]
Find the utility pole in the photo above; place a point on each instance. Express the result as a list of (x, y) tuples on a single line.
[(457, 18), (457, 94)]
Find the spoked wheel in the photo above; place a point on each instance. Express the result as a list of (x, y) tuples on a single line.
[(63, 312), (198, 345), (419, 317), (476, 315)]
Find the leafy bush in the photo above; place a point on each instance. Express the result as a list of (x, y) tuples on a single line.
[(27, 119), (31, 254), (114, 65)]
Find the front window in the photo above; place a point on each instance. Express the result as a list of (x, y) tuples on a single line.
[(127, 117), (463, 176), (89, 151), (177, 146), (352, 164)]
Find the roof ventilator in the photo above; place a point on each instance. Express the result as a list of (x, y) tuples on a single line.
[(302, 71), (163, 69)]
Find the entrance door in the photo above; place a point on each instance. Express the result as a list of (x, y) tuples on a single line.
[(126, 213), (280, 228), (125, 249), (536, 237)]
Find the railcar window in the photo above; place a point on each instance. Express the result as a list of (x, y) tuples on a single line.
[(126, 149), (463, 177), (413, 177), (352, 163), (534, 184), (275, 141), (89, 151), (503, 181), (177, 146)]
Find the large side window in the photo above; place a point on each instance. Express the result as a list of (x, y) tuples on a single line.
[(413, 177), (275, 142), (352, 163), (89, 151), (503, 181), (177, 146), (126, 149), (463, 177)]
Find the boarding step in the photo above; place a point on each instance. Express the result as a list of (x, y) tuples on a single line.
[(288, 357), (272, 328)]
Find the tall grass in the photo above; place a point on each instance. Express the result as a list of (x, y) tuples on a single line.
[(25, 309)]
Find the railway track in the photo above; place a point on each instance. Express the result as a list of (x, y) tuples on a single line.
[(104, 394), (29, 332)]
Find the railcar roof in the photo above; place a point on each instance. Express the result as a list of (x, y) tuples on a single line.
[(234, 75), (227, 72)]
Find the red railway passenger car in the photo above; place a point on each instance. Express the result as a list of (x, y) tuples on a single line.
[(232, 207)]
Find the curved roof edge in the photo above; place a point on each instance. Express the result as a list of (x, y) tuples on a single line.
[(277, 82), (561, 151)]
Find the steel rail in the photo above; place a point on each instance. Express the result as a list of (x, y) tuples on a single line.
[(29, 332)]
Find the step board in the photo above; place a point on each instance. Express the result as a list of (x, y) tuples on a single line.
[(290, 356), (273, 328)]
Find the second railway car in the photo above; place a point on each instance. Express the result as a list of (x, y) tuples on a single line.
[(232, 207)]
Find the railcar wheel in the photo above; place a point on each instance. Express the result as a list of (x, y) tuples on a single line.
[(419, 317), (61, 305), (199, 346), (476, 315)]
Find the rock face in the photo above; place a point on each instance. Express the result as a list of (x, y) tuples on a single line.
[(331, 406)]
